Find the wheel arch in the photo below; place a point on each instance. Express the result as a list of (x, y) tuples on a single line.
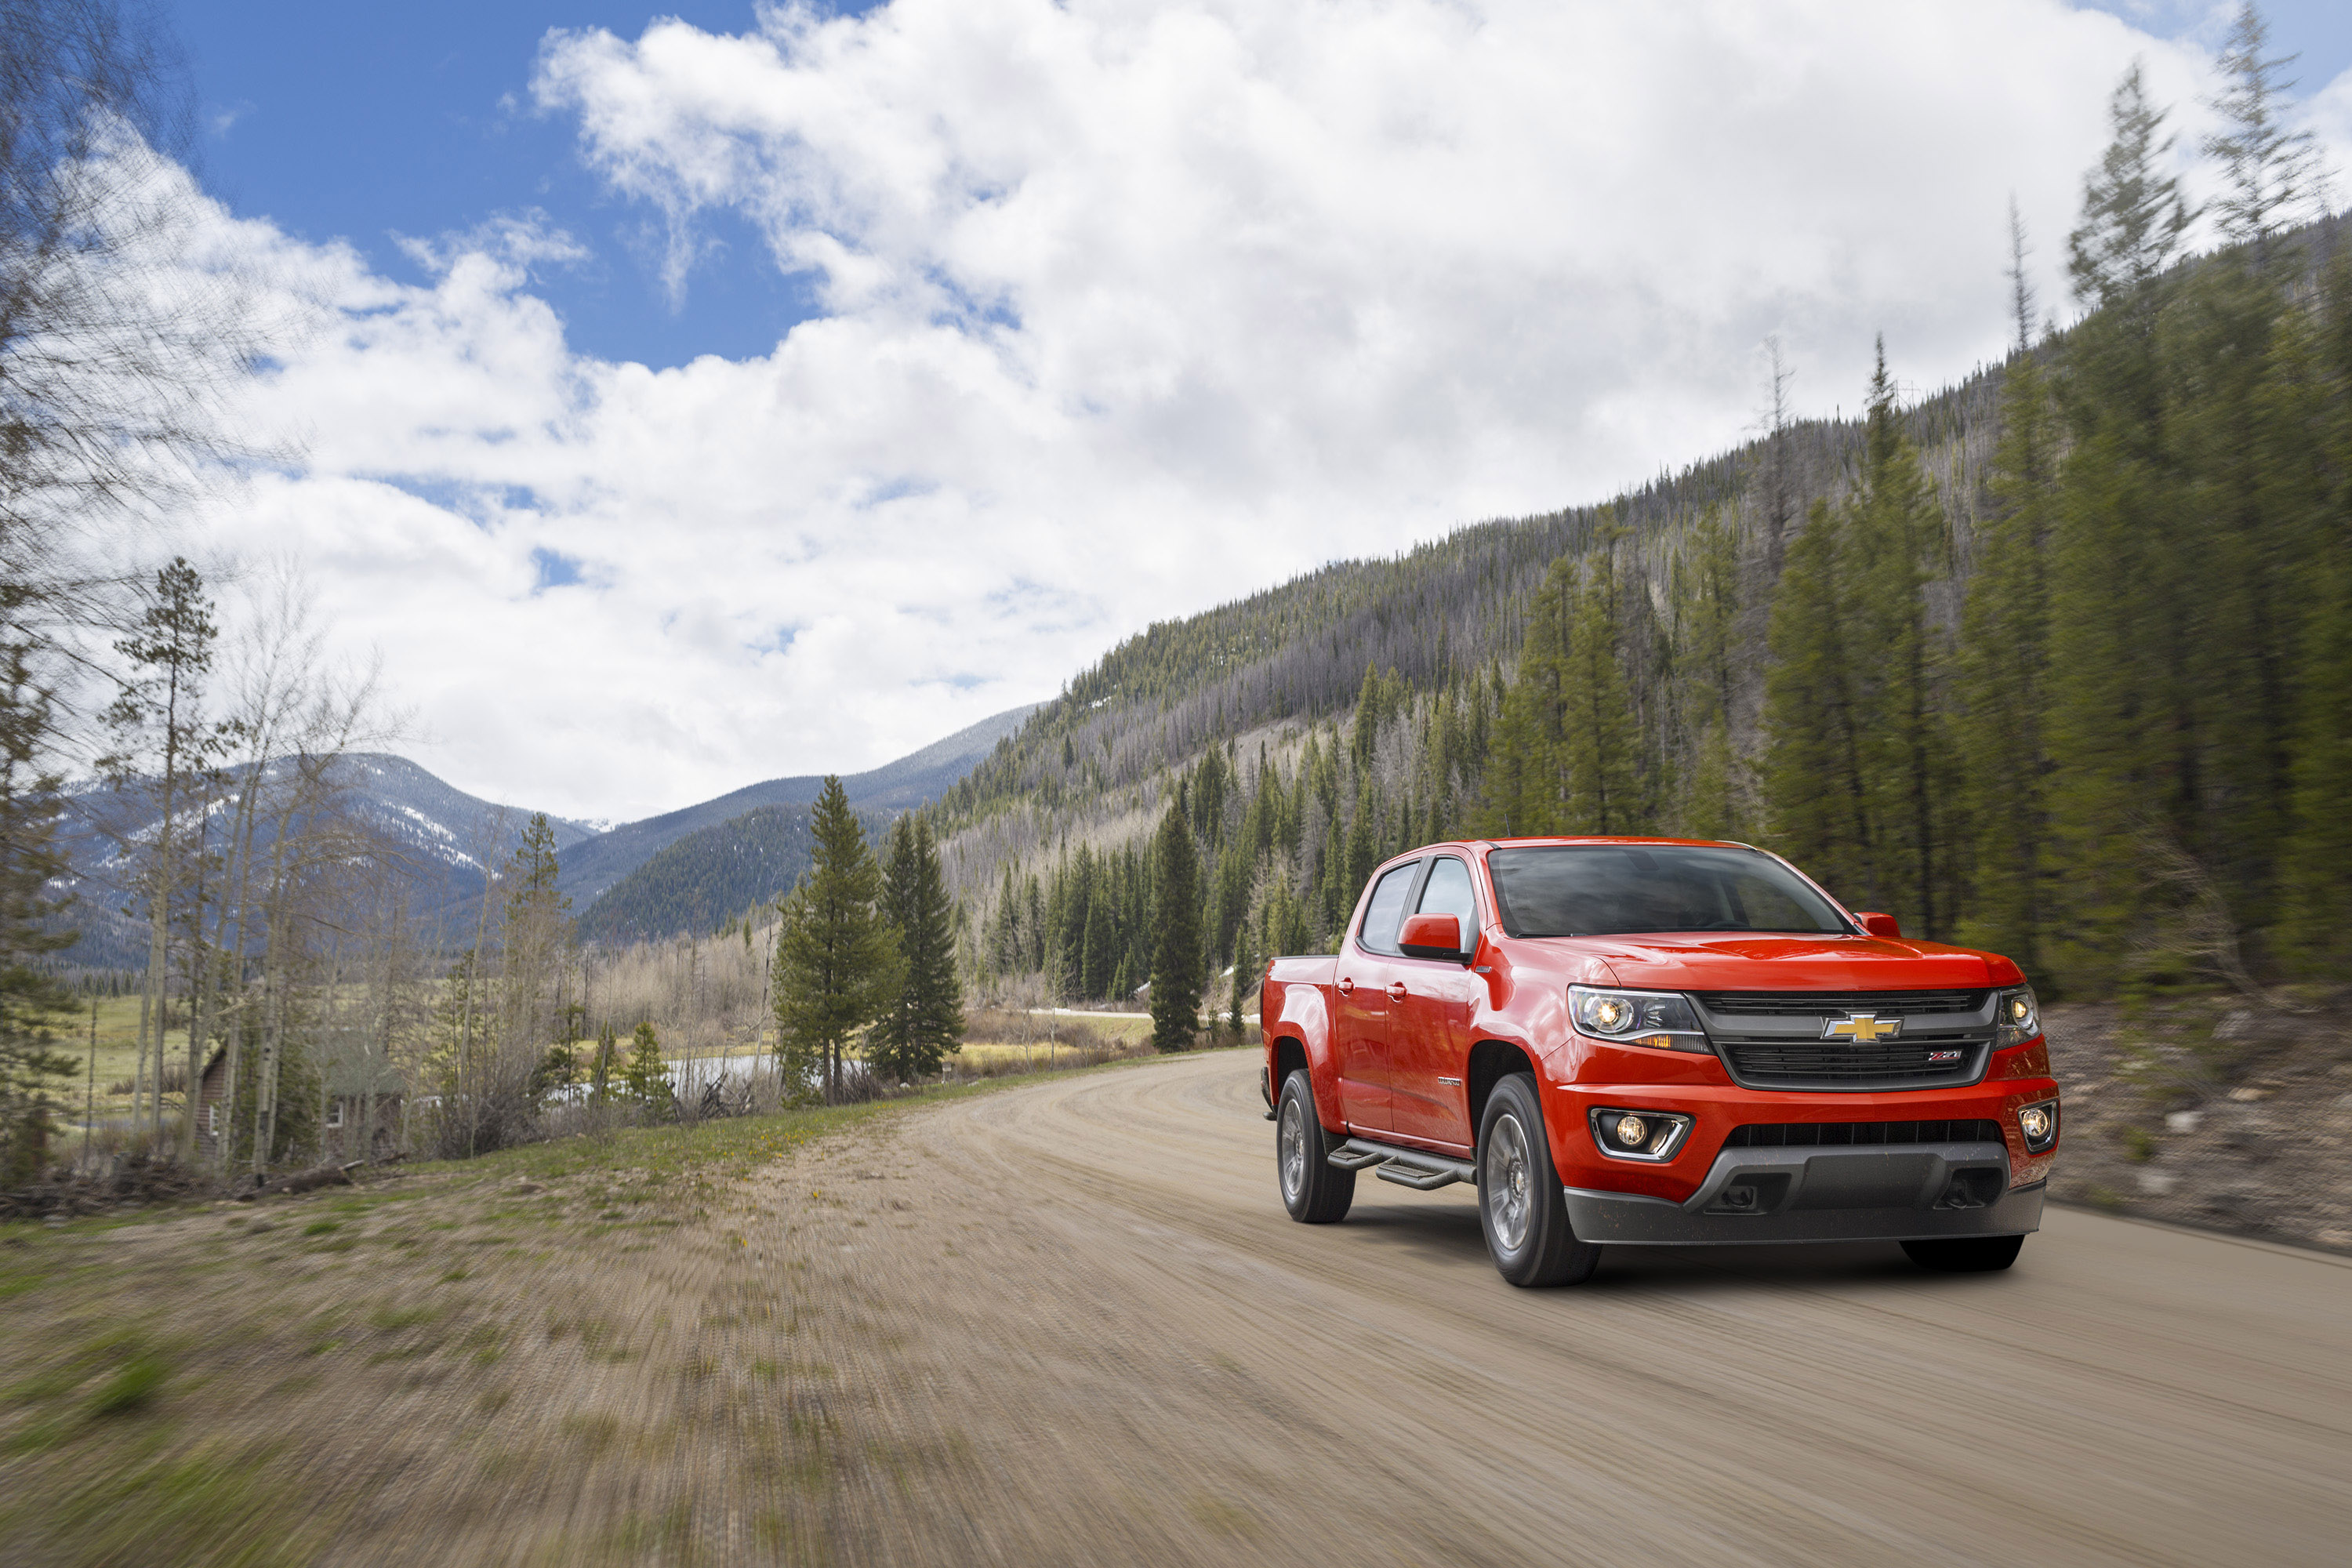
[(1289, 1056), (1491, 1061)]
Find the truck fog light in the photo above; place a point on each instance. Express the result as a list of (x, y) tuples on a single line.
[(2039, 1126), (1656, 1136)]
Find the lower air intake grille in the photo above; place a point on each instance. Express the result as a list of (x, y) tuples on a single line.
[(1849, 1134)]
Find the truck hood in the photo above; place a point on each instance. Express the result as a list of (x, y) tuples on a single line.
[(1748, 962)]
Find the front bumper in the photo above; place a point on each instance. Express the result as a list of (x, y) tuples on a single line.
[(1598, 1077), (1856, 1193)]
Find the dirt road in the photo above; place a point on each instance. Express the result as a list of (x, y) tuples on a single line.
[(1156, 1363), (1069, 1324)]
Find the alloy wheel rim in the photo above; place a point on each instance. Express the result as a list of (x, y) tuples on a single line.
[(1505, 1188), (1294, 1149)]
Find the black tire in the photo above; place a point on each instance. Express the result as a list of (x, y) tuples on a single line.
[(1520, 1205), (1965, 1254), (1314, 1190)]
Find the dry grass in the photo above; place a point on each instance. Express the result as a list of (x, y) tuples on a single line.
[(508, 1350)]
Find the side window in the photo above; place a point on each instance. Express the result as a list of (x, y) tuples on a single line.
[(1385, 913), (1447, 893)]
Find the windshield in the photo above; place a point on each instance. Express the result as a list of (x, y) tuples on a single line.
[(1609, 889)]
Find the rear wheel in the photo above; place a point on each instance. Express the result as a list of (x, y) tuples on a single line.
[(1520, 1205), (1965, 1254), (1314, 1190)]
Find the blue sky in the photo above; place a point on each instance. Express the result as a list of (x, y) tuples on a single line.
[(359, 120)]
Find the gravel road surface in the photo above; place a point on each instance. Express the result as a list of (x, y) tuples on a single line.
[(1068, 1323), (1087, 1292)]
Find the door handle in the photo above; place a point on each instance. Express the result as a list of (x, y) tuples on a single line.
[(1396, 990), (1346, 986)]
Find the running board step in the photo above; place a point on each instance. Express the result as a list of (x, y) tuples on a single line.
[(1412, 1168), (1405, 1175)]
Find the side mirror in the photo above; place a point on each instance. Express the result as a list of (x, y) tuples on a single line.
[(1880, 925), (1436, 936)]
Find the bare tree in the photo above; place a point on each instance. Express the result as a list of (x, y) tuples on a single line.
[(112, 348)]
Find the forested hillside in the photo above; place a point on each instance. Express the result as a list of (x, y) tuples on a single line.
[(712, 877), (2058, 661)]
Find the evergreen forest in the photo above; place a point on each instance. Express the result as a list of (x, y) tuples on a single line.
[(714, 875), (2056, 662)]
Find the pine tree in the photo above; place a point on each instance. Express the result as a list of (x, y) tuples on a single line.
[(1245, 972), (1103, 947), (1176, 956), (2317, 925), (533, 937), (1858, 772), (1599, 738), (837, 965), (2271, 174), (159, 716), (1900, 539), (1523, 794), (2003, 661), (1705, 654), (926, 1021), (2121, 731), (2133, 215), (646, 1081), (1814, 784)]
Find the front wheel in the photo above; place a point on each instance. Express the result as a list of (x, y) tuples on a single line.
[(1314, 1190), (1520, 1205), (1966, 1254)]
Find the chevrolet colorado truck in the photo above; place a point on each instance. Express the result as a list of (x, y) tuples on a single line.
[(1656, 1042)]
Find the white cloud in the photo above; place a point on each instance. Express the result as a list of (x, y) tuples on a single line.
[(1130, 308)]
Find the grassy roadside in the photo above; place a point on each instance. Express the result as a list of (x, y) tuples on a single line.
[(244, 1383)]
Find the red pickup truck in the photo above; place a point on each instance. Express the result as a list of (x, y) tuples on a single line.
[(1658, 1042)]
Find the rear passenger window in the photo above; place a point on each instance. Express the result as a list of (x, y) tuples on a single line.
[(1385, 913)]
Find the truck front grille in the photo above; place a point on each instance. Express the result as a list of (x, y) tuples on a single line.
[(1852, 1134), (1833, 1064), (1815, 1003)]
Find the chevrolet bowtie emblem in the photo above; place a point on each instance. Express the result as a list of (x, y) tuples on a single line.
[(1862, 1028)]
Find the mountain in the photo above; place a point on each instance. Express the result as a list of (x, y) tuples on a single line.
[(440, 822), (711, 876), (442, 834), (444, 837), (589, 867)]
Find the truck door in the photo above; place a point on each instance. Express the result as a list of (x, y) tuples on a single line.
[(1365, 971), (1429, 1027)]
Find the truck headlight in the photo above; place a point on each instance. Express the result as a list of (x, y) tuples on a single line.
[(2038, 1125), (2016, 1017), (1662, 1020)]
